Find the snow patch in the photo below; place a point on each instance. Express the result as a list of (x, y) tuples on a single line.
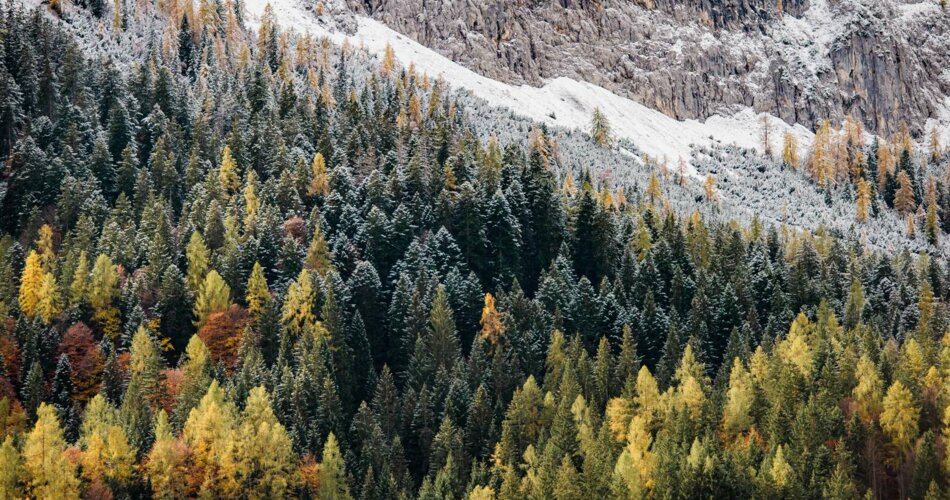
[(561, 102)]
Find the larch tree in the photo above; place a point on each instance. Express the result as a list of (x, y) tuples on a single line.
[(50, 300), (79, 287), (709, 186), (31, 284), (266, 463), (600, 128), (737, 414), (492, 324), (213, 295), (103, 290), (166, 467), (297, 312), (51, 473), (198, 261), (636, 464), (319, 258), (863, 200), (258, 294), (389, 61), (904, 200), (11, 470), (252, 202), (209, 431), (869, 389), (790, 151), (333, 485), (319, 178), (900, 416), (228, 172)]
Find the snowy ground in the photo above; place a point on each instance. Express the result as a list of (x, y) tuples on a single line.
[(560, 102)]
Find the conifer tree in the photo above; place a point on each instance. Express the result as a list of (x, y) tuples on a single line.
[(227, 172), (297, 313), (213, 295), (197, 254), (492, 324), (600, 128), (31, 284), (50, 472), (11, 470), (333, 485)]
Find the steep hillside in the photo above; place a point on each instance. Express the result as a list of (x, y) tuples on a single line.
[(882, 61)]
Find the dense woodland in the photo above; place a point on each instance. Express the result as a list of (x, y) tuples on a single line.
[(255, 265)]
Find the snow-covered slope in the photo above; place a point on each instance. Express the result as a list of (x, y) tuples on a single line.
[(560, 102)]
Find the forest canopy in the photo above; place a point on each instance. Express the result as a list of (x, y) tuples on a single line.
[(251, 264)]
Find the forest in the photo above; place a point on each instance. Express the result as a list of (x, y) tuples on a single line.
[(253, 264)]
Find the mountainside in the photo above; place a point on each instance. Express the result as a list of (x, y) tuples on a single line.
[(259, 249), (882, 61)]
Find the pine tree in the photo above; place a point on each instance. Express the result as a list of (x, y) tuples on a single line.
[(443, 339)]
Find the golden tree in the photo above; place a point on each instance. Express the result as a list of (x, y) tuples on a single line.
[(863, 199), (904, 197), (319, 178), (227, 172), (50, 472), (31, 283), (492, 324), (213, 295), (297, 313)]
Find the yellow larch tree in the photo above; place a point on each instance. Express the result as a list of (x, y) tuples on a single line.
[(737, 414), (51, 474), (258, 294), (196, 252), (50, 300), (213, 295), (863, 200), (319, 258), (492, 324), (790, 151), (297, 312), (227, 172), (319, 178), (31, 282)]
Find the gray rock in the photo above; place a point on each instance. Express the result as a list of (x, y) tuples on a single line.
[(692, 59)]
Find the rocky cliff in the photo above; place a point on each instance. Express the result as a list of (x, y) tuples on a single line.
[(882, 61)]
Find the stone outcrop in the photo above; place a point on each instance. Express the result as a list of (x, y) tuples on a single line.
[(881, 61)]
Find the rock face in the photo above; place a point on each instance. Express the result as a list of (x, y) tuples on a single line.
[(881, 61)]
